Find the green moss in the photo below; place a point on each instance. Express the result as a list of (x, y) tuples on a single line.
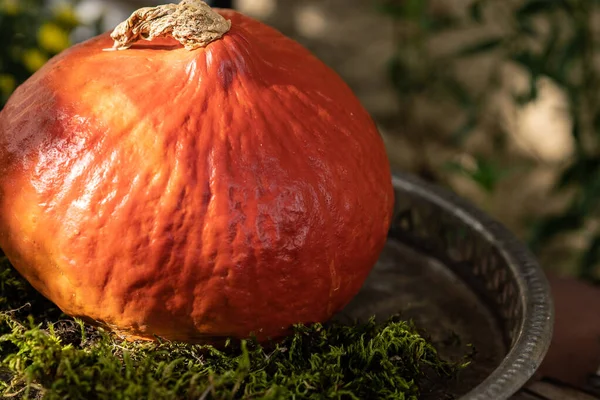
[(45, 354)]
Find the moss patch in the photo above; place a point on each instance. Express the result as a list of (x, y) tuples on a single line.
[(45, 354)]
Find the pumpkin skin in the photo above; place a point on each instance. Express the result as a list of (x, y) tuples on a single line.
[(232, 190)]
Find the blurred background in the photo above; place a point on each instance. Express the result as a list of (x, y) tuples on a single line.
[(497, 100)]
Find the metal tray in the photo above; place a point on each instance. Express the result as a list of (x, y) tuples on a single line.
[(452, 269)]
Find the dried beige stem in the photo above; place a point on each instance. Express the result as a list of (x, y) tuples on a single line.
[(191, 22)]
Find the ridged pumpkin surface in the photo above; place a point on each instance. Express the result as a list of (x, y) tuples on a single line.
[(232, 189)]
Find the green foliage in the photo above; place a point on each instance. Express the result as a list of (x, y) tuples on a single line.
[(44, 353), (567, 57), (484, 172), (547, 38), (32, 33), (415, 71)]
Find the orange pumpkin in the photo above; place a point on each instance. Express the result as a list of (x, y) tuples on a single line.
[(214, 181)]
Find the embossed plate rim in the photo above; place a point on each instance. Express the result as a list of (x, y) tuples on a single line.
[(536, 326)]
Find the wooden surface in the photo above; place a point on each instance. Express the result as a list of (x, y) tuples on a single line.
[(545, 390), (570, 368)]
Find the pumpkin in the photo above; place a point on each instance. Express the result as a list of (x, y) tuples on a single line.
[(193, 175)]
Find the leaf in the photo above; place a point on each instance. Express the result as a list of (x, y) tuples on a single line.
[(531, 95), (590, 194), (542, 63), (527, 60), (485, 173), (550, 227), (398, 73), (456, 89), (531, 63), (462, 96), (597, 121), (393, 10), (533, 7), (570, 52), (576, 132), (526, 27), (476, 11), (489, 174), (403, 9), (415, 9), (481, 47), (439, 23), (580, 172), (591, 259), (406, 77), (552, 41), (463, 131)]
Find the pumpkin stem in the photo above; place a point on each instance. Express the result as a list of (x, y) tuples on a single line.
[(193, 23)]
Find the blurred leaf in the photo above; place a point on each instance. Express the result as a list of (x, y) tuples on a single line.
[(481, 47), (548, 228), (9, 7), (484, 172), (391, 9), (576, 131), (540, 64), (581, 171), (526, 27), (476, 11), (403, 9), (399, 75), (435, 24), (462, 96), (552, 41), (415, 9), (7, 84), (547, 63), (531, 94), (561, 53), (532, 64), (33, 31), (590, 259), (534, 7), (406, 76), (53, 38), (499, 140), (597, 121), (459, 92), (570, 53), (590, 194), (463, 131), (34, 59), (65, 17)]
